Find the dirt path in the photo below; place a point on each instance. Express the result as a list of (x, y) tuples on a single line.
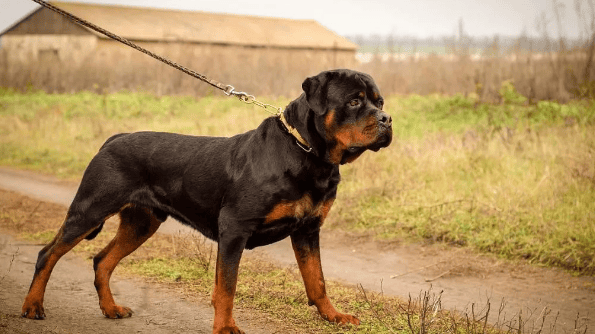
[(464, 277)]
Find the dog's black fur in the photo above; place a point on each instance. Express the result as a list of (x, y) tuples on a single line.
[(245, 191)]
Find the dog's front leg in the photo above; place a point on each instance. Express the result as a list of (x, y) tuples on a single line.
[(231, 246), (307, 252)]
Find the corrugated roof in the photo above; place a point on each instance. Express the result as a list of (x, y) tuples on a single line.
[(148, 24)]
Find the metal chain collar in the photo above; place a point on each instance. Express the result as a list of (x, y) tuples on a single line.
[(227, 89)]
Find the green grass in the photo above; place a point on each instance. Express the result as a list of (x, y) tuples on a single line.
[(511, 179)]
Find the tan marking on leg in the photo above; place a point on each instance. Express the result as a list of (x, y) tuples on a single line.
[(33, 304)]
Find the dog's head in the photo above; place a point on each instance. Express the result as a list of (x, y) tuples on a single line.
[(344, 108)]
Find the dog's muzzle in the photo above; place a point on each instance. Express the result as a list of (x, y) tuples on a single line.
[(385, 131)]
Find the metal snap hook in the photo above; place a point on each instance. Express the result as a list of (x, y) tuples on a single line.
[(229, 89)]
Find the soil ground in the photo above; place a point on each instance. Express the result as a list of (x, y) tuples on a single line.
[(468, 280)]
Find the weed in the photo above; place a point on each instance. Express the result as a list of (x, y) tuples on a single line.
[(509, 94)]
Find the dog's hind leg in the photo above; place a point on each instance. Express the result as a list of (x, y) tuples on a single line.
[(70, 234), (137, 224)]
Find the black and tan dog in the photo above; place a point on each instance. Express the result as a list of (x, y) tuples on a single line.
[(246, 191)]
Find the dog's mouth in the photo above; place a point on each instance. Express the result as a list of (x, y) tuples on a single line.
[(383, 141), (385, 132), (384, 138)]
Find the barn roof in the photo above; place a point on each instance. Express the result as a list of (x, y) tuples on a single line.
[(149, 24)]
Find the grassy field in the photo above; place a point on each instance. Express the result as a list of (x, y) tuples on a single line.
[(512, 179)]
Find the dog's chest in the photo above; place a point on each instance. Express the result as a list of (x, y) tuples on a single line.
[(301, 208)]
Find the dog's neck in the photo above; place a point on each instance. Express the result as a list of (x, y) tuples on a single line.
[(295, 133), (299, 116)]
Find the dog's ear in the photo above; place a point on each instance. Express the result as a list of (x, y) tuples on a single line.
[(315, 88)]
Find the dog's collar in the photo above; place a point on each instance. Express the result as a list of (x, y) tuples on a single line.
[(300, 141)]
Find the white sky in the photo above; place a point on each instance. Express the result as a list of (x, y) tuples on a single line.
[(421, 18)]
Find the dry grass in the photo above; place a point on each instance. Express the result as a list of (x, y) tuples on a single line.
[(116, 68), (552, 76), (537, 76)]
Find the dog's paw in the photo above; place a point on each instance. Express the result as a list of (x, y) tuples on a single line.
[(116, 312), (33, 311), (228, 330), (341, 319)]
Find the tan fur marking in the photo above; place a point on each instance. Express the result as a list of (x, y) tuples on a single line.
[(362, 133), (323, 209), (329, 121), (303, 207)]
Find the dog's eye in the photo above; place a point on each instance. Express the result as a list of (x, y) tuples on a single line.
[(354, 103)]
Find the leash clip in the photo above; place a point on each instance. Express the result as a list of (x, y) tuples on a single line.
[(229, 90)]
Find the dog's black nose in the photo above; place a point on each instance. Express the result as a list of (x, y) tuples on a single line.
[(384, 118)]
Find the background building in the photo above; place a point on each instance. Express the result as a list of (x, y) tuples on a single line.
[(256, 54)]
